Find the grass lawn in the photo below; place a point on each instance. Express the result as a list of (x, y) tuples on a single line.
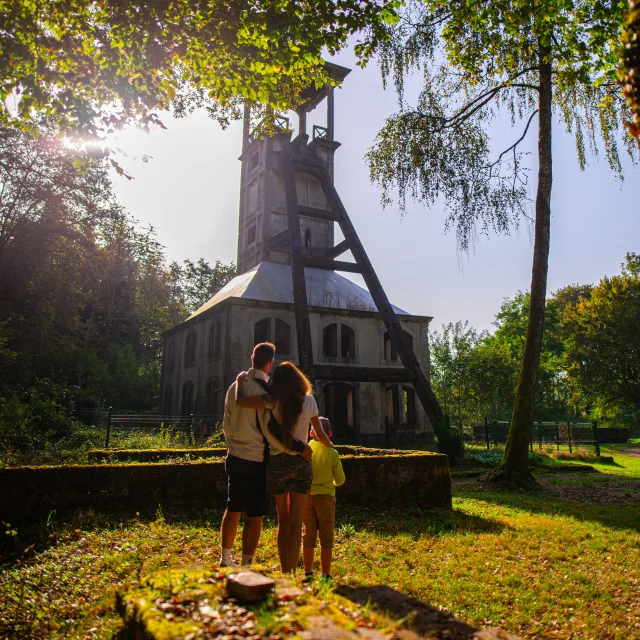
[(560, 563)]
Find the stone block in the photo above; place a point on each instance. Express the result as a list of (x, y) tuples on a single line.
[(249, 586)]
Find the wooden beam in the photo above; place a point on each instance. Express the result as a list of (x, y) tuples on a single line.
[(280, 240), (332, 265), (338, 250), (348, 373), (300, 305), (320, 214), (396, 333)]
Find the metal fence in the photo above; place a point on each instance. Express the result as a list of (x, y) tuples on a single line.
[(562, 433), (193, 429)]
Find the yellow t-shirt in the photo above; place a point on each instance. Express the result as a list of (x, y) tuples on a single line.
[(327, 470)]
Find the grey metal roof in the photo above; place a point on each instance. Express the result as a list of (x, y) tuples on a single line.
[(271, 282)]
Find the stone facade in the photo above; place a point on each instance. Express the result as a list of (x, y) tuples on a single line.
[(358, 408)]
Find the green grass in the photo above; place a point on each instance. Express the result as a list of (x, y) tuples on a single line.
[(559, 563)]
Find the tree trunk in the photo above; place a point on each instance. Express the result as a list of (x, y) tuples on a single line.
[(515, 466)]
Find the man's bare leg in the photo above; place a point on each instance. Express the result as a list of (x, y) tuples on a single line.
[(282, 505), (250, 538), (296, 511), (228, 532)]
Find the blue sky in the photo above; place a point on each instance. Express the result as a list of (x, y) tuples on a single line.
[(189, 192)]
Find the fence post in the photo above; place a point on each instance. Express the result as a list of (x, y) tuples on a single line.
[(569, 430), (108, 436), (191, 426), (486, 433), (596, 437), (557, 437), (540, 436)]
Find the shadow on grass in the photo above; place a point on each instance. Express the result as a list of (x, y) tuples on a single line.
[(37, 536), (416, 614), (415, 522), (597, 501)]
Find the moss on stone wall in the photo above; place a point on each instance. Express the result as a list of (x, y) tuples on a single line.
[(27, 493)]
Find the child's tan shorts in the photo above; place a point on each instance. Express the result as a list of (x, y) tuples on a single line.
[(319, 518)]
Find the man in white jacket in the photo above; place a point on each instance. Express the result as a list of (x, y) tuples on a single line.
[(246, 461)]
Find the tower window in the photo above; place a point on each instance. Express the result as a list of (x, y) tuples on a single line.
[(251, 234), (253, 160), (215, 336), (190, 350), (390, 352), (282, 338), (307, 238), (408, 406), (347, 342), (330, 341), (262, 331), (187, 398)]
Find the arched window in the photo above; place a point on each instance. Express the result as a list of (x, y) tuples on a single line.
[(217, 340), (214, 343), (171, 357), (167, 402), (339, 408), (211, 393), (330, 341), (262, 331), (393, 405), (190, 350), (186, 406), (409, 406), (282, 338), (390, 352), (347, 342)]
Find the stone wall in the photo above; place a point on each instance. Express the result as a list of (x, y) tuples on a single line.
[(28, 493)]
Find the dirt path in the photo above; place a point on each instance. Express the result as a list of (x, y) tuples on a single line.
[(631, 451)]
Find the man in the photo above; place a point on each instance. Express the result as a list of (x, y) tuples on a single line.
[(246, 461)]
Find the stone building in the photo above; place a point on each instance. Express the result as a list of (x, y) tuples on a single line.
[(360, 382)]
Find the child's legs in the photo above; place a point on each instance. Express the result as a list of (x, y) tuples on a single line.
[(326, 555), (310, 534), (326, 510), (282, 505)]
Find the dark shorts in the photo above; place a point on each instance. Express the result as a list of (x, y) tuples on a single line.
[(247, 487), (286, 472)]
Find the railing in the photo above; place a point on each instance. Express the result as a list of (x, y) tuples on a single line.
[(193, 428), (280, 123), (561, 433), (320, 132)]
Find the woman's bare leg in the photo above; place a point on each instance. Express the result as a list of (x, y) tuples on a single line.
[(296, 512), (282, 505)]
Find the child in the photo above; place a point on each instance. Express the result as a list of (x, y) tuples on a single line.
[(320, 507)]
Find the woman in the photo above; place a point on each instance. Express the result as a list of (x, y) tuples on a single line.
[(286, 413)]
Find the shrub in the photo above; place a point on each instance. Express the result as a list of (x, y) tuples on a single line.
[(450, 442)]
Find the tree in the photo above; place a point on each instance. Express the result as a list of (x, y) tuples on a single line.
[(85, 294), (529, 58), (603, 342), (94, 65), (197, 282), (450, 371), (630, 65)]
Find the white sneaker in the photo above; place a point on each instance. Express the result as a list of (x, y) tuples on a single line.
[(231, 565)]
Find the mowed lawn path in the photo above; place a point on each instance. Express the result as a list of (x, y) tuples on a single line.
[(560, 563)]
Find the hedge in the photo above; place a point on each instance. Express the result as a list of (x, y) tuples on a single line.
[(101, 456), (27, 493)]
